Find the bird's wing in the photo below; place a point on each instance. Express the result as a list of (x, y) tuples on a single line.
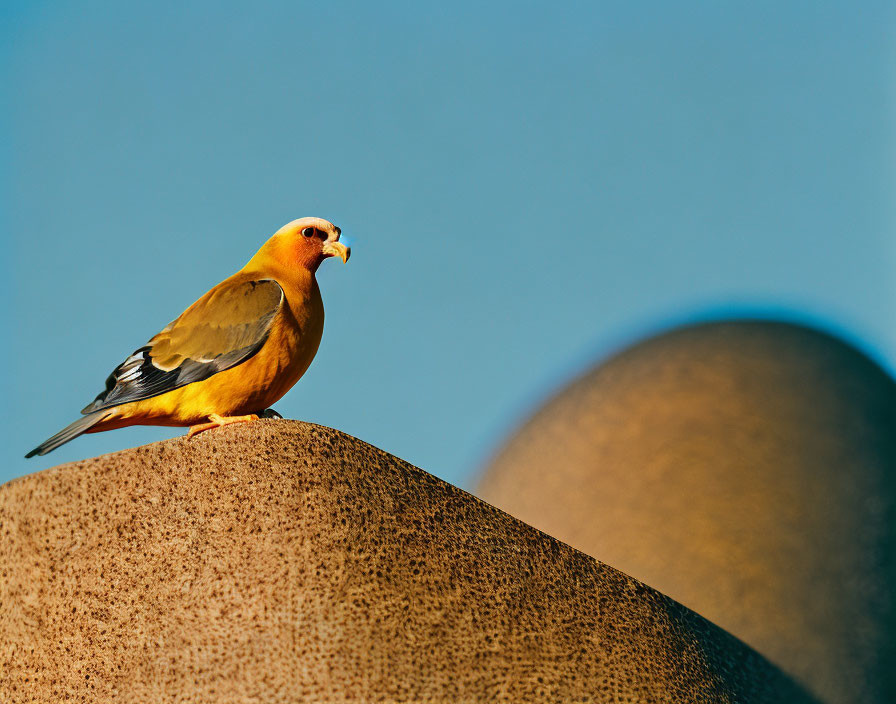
[(222, 329)]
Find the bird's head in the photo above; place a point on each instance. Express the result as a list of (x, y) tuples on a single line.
[(305, 242)]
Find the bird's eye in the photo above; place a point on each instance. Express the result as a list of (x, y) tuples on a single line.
[(308, 232)]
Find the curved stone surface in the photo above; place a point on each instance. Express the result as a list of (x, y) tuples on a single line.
[(284, 562), (746, 469)]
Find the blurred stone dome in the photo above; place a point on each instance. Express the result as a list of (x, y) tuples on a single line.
[(744, 468)]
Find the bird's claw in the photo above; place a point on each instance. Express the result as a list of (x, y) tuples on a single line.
[(270, 413), (219, 422)]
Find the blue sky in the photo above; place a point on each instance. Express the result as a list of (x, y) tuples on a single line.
[(526, 186)]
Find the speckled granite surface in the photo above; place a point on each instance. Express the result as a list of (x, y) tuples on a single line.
[(285, 562)]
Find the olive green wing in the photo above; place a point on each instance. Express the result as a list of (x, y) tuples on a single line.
[(222, 329)]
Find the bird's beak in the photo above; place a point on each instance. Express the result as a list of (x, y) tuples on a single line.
[(337, 249)]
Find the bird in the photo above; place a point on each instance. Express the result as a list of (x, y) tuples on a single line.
[(233, 353)]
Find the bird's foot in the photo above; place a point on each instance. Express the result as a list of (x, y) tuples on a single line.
[(219, 421), (270, 413)]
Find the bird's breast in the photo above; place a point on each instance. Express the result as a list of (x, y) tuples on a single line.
[(289, 350)]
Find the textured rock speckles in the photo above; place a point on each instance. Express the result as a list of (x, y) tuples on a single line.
[(284, 562)]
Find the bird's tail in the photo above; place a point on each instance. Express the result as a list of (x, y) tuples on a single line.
[(70, 432)]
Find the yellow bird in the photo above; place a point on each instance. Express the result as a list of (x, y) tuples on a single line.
[(230, 355)]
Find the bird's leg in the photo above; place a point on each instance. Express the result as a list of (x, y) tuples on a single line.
[(218, 421)]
